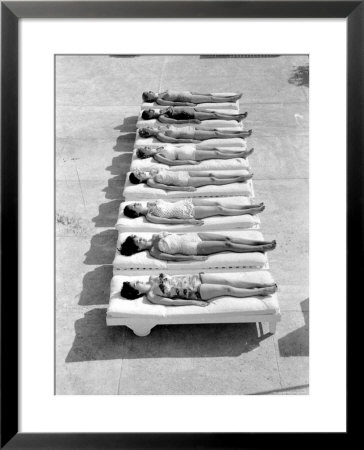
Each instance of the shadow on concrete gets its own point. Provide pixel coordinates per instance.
(96, 286)
(108, 212)
(300, 76)
(296, 343)
(125, 142)
(102, 248)
(120, 164)
(96, 341)
(129, 124)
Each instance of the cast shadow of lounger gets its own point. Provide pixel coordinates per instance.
(296, 343)
(94, 340)
(108, 212)
(128, 125)
(96, 286)
(102, 248)
(125, 142)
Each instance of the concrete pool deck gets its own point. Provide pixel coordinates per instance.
(98, 99)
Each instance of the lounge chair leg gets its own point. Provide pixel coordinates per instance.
(141, 329)
(272, 327)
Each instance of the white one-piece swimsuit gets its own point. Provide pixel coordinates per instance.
(182, 209)
(185, 244)
(185, 152)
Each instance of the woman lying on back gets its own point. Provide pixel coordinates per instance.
(191, 246)
(188, 211)
(186, 114)
(192, 289)
(186, 98)
(182, 180)
(188, 154)
(189, 134)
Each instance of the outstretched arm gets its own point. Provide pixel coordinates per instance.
(162, 102)
(155, 219)
(163, 138)
(177, 257)
(166, 187)
(212, 237)
(165, 119)
(158, 300)
(174, 162)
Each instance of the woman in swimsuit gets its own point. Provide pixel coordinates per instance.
(186, 114)
(182, 180)
(189, 211)
(187, 154)
(189, 134)
(189, 289)
(186, 98)
(191, 246)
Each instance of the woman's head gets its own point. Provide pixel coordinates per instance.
(133, 289)
(148, 114)
(134, 210)
(138, 176)
(145, 152)
(133, 244)
(147, 132)
(149, 96)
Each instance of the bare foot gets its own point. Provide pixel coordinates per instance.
(271, 246)
(260, 208)
(271, 289)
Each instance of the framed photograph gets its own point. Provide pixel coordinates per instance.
(179, 180)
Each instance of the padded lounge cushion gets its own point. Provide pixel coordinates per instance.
(222, 306)
(210, 223)
(143, 260)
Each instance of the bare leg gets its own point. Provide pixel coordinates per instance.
(201, 212)
(213, 237)
(207, 115)
(207, 202)
(210, 291)
(226, 280)
(208, 98)
(202, 155)
(211, 247)
(206, 181)
(233, 134)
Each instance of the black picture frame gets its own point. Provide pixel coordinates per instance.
(11, 12)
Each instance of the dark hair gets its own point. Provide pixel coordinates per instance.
(146, 96)
(133, 179)
(129, 247)
(148, 114)
(130, 212)
(144, 132)
(140, 153)
(129, 292)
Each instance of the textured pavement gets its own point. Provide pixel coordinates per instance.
(98, 98)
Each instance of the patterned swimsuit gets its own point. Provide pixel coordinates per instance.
(180, 113)
(180, 286)
(181, 209)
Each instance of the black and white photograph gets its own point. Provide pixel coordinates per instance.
(182, 225)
